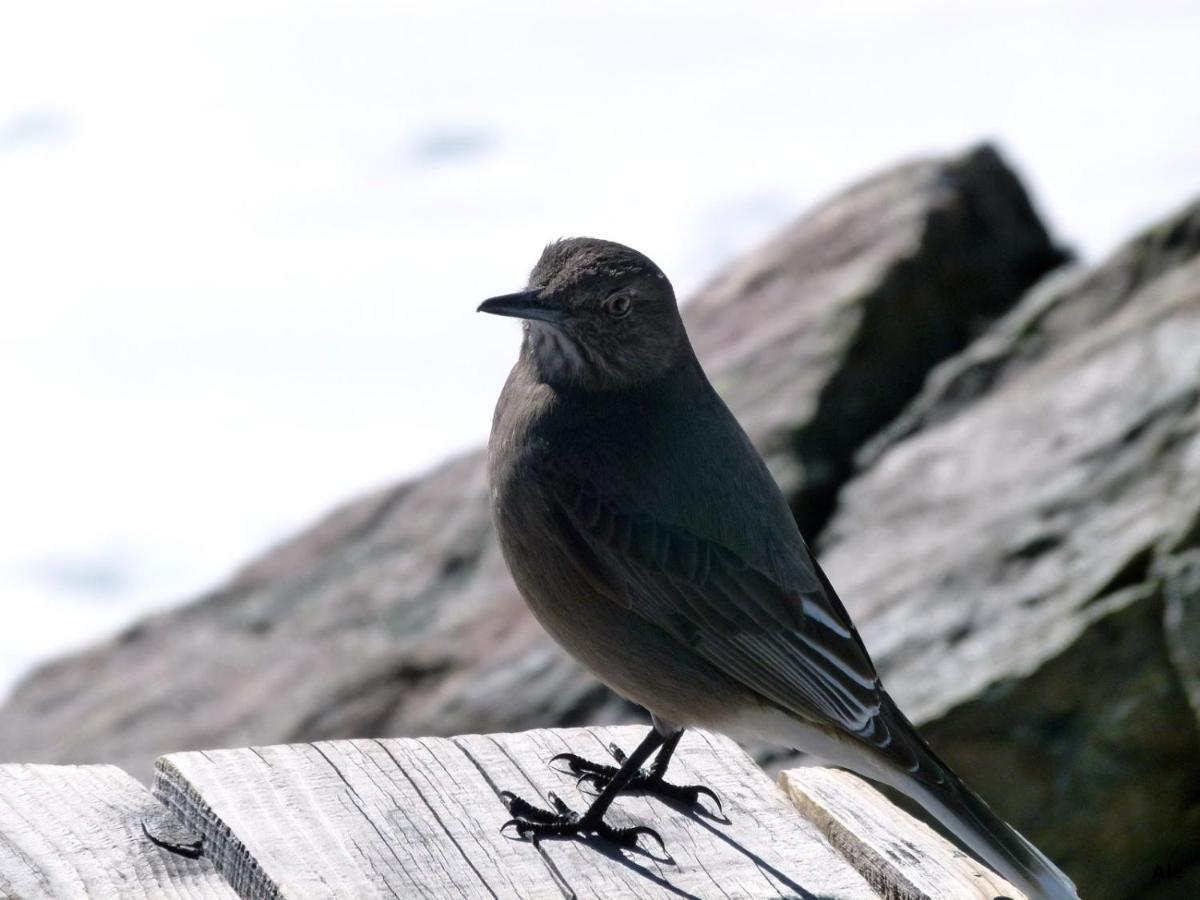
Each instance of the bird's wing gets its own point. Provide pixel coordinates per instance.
(795, 648)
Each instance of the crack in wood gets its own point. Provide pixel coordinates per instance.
(437, 817)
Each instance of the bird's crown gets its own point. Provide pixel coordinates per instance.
(572, 263)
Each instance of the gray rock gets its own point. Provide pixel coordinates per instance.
(1012, 547)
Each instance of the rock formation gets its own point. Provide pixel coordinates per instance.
(1014, 542)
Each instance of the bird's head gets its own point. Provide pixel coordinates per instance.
(598, 315)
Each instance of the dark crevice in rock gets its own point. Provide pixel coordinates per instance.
(1188, 536)
(1133, 572)
(1158, 421)
(1034, 547)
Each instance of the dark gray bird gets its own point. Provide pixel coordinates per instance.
(647, 536)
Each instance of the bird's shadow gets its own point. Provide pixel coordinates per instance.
(626, 858)
(706, 822)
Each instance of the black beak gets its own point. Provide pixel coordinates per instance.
(523, 305)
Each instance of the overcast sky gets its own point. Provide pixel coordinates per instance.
(242, 242)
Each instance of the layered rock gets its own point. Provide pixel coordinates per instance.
(1014, 542)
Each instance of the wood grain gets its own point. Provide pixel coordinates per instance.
(76, 832)
(421, 817)
(900, 856)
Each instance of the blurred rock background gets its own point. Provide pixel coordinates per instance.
(996, 451)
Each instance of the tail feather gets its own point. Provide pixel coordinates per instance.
(932, 783)
(995, 841)
(895, 754)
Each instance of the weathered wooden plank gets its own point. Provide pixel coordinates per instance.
(76, 831)
(900, 856)
(421, 817)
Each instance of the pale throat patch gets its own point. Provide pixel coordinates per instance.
(557, 355)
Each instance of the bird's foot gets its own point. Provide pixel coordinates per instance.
(534, 823)
(649, 781)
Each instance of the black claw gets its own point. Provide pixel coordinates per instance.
(533, 823)
(596, 776)
(577, 765)
(523, 810)
(629, 836)
(699, 789)
(572, 762)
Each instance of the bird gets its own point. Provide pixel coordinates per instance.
(647, 536)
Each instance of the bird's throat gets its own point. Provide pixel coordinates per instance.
(557, 359)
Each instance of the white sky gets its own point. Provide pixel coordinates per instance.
(242, 241)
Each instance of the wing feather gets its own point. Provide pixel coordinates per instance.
(796, 649)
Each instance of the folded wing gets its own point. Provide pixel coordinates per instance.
(795, 647)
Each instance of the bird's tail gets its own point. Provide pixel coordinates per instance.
(932, 783)
(901, 759)
(996, 842)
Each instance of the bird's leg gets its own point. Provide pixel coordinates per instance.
(650, 781)
(535, 823)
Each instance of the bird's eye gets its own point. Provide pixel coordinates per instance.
(618, 305)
